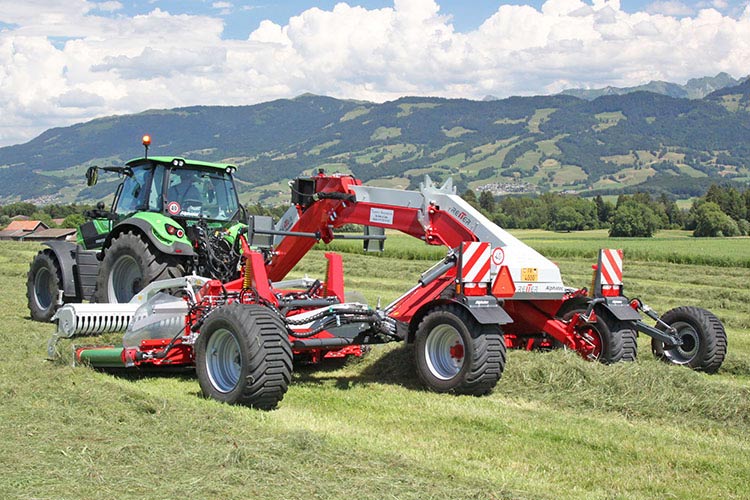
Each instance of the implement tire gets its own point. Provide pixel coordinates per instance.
(455, 353)
(129, 264)
(704, 339)
(43, 285)
(243, 356)
(629, 341)
(613, 341)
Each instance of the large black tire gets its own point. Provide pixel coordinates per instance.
(614, 340)
(629, 336)
(243, 356)
(455, 353)
(129, 264)
(704, 339)
(43, 285)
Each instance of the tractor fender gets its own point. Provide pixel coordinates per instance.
(484, 314)
(65, 253)
(145, 228)
(619, 307)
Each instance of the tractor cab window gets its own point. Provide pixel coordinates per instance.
(207, 193)
(135, 189)
(156, 196)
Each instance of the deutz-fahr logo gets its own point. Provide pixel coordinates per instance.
(461, 215)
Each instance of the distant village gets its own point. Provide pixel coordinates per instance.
(501, 188)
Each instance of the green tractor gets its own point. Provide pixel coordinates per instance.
(169, 217)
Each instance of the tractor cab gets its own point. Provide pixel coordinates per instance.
(182, 189)
(188, 192)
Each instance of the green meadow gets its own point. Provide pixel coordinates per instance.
(556, 426)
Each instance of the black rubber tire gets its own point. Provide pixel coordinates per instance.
(609, 335)
(629, 341)
(130, 249)
(705, 339)
(43, 285)
(261, 373)
(482, 357)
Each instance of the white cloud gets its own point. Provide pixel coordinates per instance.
(713, 4)
(154, 63)
(225, 8)
(670, 8)
(109, 6)
(102, 64)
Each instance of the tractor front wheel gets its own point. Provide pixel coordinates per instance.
(704, 341)
(455, 353)
(243, 356)
(129, 264)
(43, 285)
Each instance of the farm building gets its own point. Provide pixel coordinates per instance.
(18, 229)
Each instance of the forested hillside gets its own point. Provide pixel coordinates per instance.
(610, 145)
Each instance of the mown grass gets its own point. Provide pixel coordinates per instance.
(555, 427)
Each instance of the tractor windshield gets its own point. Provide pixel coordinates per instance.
(134, 194)
(207, 193)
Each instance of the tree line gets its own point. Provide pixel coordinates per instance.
(723, 211)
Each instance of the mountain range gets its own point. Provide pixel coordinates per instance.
(695, 88)
(611, 144)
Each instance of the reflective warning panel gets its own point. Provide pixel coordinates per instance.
(475, 262)
(610, 266)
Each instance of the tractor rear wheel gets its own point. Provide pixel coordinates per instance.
(704, 341)
(455, 353)
(129, 264)
(243, 356)
(43, 285)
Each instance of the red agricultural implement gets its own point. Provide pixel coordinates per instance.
(491, 291)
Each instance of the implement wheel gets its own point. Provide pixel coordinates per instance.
(129, 264)
(243, 356)
(455, 353)
(43, 285)
(704, 341)
(612, 341)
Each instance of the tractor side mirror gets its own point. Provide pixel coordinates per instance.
(92, 175)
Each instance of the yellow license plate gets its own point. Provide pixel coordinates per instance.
(529, 274)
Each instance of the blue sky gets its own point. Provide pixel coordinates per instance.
(72, 61)
(243, 16)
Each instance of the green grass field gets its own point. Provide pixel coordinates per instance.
(555, 426)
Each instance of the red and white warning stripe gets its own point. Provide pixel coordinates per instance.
(611, 267)
(475, 262)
